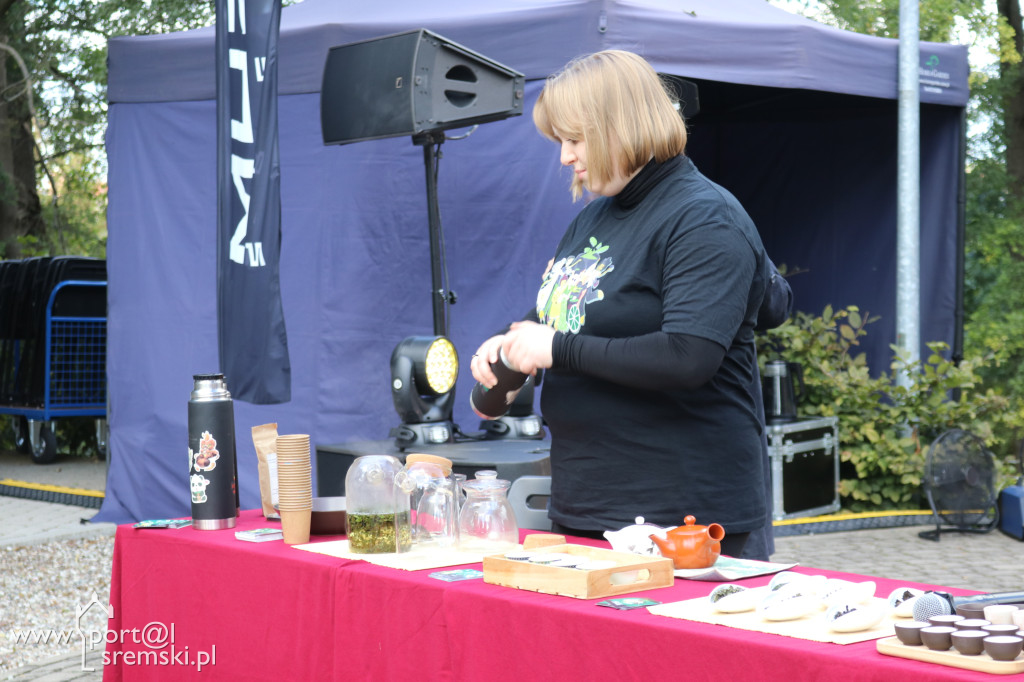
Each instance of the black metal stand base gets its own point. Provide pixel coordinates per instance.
(939, 529)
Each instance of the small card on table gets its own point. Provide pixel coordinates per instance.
(628, 603)
(163, 523)
(260, 534)
(457, 574)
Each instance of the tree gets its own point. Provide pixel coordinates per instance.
(994, 270)
(20, 212)
(994, 250)
(53, 114)
(1012, 76)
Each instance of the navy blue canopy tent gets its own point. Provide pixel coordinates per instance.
(797, 119)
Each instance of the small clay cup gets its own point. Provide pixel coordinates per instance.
(971, 610)
(971, 624)
(969, 642)
(910, 633)
(1000, 629)
(945, 619)
(1003, 647)
(938, 637)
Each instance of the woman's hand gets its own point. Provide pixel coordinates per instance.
(482, 359)
(527, 346)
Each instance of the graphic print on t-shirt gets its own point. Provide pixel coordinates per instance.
(569, 285)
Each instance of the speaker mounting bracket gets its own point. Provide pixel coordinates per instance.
(440, 299)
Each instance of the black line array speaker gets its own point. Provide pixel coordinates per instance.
(411, 83)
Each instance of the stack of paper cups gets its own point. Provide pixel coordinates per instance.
(294, 487)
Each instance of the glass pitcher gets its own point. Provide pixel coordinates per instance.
(377, 520)
(433, 501)
(487, 523)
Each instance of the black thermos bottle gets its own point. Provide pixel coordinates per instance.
(211, 453)
(491, 403)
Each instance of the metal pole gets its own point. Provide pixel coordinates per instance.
(908, 187)
(438, 295)
(961, 237)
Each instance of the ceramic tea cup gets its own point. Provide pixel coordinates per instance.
(1003, 647)
(971, 624)
(1000, 614)
(969, 642)
(937, 637)
(944, 619)
(910, 633)
(971, 610)
(1000, 629)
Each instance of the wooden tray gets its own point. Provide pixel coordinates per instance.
(892, 646)
(632, 573)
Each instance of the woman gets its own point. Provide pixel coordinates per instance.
(644, 320)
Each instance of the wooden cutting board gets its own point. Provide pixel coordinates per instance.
(891, 646)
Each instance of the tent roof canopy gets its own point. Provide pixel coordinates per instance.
(740, 41)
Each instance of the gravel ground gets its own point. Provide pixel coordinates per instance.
(42, 587)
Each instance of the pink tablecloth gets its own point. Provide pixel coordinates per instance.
(266, 611)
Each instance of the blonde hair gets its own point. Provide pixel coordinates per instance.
(616, 103)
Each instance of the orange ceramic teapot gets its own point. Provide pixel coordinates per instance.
(690, 546)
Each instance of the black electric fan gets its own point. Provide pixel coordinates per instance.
(960, 482)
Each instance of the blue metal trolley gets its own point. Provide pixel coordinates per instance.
(74, 374)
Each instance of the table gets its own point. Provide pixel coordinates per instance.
(267, 611)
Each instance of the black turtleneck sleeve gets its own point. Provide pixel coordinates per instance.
(656, 361)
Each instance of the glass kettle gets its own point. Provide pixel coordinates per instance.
(377, 519)
(433, 503)
(487, 523)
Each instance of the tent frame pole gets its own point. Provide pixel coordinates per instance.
(908, 188)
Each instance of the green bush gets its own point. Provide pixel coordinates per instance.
(6, 434)
(76, 436)
(885, 425)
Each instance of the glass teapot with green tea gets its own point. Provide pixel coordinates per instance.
(378, 510)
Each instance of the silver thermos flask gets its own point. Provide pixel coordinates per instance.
(213, 471)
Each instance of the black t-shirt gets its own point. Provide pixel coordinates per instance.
(685, 260)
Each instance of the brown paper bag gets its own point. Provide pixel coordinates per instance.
(264, 437)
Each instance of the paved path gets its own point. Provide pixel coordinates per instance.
(67, 470)
(31, 522)
(989, 562)
(28, 522)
